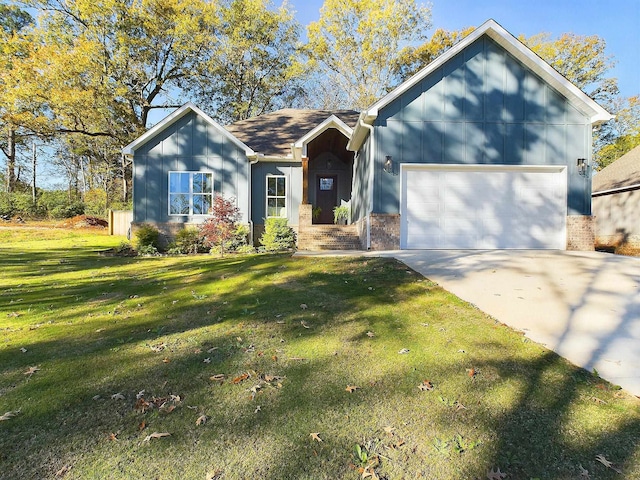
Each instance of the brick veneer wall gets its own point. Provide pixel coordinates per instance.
(385, 231)
(580, 232)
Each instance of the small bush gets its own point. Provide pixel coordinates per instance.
(188, 241)
(239, 239)
(277, 235)
(246, 249)
(147, 251)
(147, 236)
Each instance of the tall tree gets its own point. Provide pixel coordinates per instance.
(412, 59)
(13, 22)
(355, 43)
(255, 68)
(582, 59)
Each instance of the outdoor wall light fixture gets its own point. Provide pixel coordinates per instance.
(388, 165)
(582, 167)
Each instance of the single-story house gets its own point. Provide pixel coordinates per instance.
(481, 149)
(616, 202)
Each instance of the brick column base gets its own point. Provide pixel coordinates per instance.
(385, 231)
(581, 232)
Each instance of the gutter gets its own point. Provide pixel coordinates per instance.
(616, 190)
(251, 163)
(362, 124)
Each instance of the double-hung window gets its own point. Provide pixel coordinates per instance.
(190, 193)
(276, 196)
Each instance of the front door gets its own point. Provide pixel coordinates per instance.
(326, 197)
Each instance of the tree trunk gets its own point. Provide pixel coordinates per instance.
(11, 161)
(33, 182)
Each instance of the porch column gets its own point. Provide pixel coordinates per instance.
(305, 180)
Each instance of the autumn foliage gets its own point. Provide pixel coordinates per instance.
(220, 229)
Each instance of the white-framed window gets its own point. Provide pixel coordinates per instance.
(190, 193)
(276, 196)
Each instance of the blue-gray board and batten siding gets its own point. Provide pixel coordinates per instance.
(482, 107)
(293, 173)
(190, 144)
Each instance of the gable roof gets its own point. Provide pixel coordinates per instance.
(173, 118)
(272, 134)
(623, 174)
(517, 49)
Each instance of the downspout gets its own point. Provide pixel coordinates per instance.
(370, 128)
(251, 164)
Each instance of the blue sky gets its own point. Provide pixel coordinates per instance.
(617, 21)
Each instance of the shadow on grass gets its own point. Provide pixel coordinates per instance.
(218, 308)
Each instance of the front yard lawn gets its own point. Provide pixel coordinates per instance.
(272, 367)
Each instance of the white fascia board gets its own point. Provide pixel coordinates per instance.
(173, 118)
(502, 37)
(259, 157)
(331, 122)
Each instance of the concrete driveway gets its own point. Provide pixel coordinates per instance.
(583, 305)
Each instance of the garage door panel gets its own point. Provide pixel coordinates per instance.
(483, 207)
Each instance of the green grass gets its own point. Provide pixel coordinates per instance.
(97, 326)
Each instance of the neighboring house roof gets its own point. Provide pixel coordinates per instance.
(272, 134)
(173, 118)
(623, 174)
(513, 46)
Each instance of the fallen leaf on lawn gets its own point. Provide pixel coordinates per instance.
(426, 385)
(112, 437)
(471, 372)
(142, 425)
(598, 400)
(240, 378)
(13, 314)
(159, 347)
(166, 360)
(31, 371)
(212, 349)
(95, 397)
(601, 458)
(497, 475)
(214, 475)
(274, 358)
(304, 324)
(315, 436)
(117, 396)
(207, 360)
(9, 415)
(218, 377)
(370, 334)
(167, 408)
(584, 473)
(202, 419)
(63, 471)
(23, 350)
(403, 351)
(258, 409)
(351, 388)
(303, 306)
(140, 394)
(156, 435)
(389, 430)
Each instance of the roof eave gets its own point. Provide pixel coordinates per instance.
(172, 118)
(506, 40)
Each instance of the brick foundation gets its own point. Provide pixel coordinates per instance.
(385, 231)
(580, 232)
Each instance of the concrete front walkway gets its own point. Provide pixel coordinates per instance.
(583, 305)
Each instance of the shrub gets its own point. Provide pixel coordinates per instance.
(147, 250)
(239, 239)
(220, 229)
(277, 235)
(6, 205)
(58, 204)
(95, 201)
(147, 236)
(187, 241)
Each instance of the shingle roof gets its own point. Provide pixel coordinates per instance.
(273, 133)
(624, 172)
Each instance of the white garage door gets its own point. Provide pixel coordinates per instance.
(483, 207)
